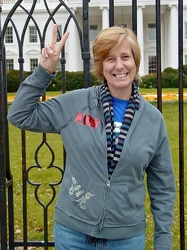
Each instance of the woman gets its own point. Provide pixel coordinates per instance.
(112, 137)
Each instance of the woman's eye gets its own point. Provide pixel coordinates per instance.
(110, 59)
(125, 57)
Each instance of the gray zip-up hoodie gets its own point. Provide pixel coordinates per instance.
(88, 202)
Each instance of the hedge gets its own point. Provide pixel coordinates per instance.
(74, 80)
(13, 79)
(169, 79)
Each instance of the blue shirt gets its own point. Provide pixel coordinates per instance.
(119, 107)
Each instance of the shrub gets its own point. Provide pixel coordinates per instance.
(13, 79)
(185, 70)
(170, 70)
(148, 81)
(74, 80)
(55, 85)
(169, 79)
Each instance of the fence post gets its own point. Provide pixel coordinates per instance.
(3, 213)
(181, 126)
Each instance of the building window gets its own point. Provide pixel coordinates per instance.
(9, 35)
(185, 30)
(151, 31)
(33, 34)
(123, 25)
(93, 32)
(33, 64)
(152, 64)
(9, 64)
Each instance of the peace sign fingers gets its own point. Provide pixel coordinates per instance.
(54, 38)
(51, 53)
(54, 35)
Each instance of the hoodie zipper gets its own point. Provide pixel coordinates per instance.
(100, 225)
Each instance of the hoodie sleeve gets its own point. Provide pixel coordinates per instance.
(162, 190)
(26, 111)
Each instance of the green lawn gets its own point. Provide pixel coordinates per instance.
(45, 176)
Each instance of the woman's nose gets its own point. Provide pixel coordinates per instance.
(119, 63)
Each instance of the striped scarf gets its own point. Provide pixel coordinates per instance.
(114, 150)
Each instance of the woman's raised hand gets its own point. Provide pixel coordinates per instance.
(51, 52)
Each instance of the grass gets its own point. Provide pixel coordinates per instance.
(170, 113)
(150, 91)
(45, 176)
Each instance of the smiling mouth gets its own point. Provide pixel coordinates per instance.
(120, 75)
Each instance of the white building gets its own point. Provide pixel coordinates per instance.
(98, 19)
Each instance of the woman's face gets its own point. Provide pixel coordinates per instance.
(119, 70)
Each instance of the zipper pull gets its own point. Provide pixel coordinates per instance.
(108, 184)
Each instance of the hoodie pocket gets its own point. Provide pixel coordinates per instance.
(81, 199)
(121, 210)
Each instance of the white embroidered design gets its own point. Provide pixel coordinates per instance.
(82, 201)
(75, 191)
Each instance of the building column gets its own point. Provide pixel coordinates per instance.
(140, 37)
(163, 52)
(173, 37)
(75, 62)
(105, 17)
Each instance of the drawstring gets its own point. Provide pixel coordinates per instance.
(98, 243)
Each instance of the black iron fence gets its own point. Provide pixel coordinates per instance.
(7, 196)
